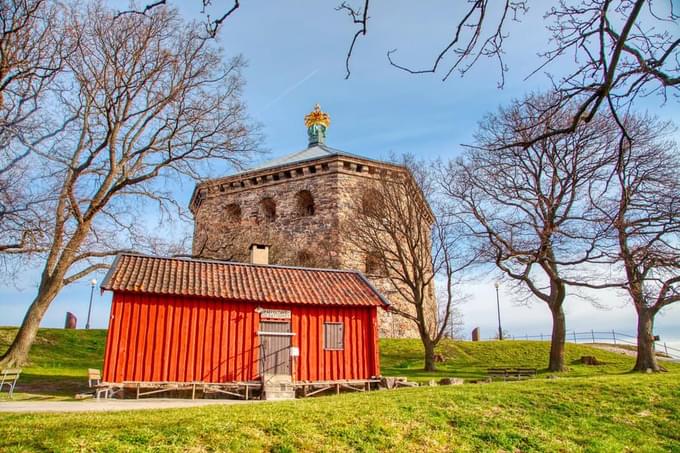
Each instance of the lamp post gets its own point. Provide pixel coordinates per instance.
(89, 309)
(498, 306)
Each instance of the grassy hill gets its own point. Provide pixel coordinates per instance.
(60, 358)
(601, 408)
(58, 361)
(469, 359)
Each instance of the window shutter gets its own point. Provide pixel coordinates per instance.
(333, 336)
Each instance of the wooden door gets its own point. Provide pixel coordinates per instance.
(275, 349)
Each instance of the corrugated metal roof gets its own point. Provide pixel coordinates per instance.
(238, 281)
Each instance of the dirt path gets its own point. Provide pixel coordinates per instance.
(612, 348)
(110, 405)
(626, 351)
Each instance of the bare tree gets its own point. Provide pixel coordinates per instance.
(31, 55)
(641, 208)
(621, 50)
(454, 330)
(479, 31)
(528, 206)
(151, 102)
(614, 51)
(212, 24)
(408, 246)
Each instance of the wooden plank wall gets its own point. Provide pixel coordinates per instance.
(180, 339)
(355, 361)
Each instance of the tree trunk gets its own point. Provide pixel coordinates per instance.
(429, 355)
(557, 341)
(646, 357)
(17, 354)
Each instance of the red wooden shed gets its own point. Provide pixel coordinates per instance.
(188, 320)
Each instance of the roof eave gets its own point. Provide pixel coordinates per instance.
(248, 173)
(248, 300)
(386, 303)
(109, 274)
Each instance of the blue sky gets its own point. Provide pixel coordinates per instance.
(296, 53)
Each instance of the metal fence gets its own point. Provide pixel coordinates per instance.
(593, 336)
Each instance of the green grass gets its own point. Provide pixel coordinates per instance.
(589, 408)
(610, 414)
(58, 362)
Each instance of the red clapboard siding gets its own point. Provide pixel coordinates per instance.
(179, 338)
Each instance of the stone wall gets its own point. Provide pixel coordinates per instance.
(296, 236)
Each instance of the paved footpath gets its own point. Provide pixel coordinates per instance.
(110, 405)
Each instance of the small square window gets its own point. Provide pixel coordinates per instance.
(333, 334)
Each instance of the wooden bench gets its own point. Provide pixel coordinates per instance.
(511, 373)
(10, 377)
(94, 380)
(108, 389)
(94, 377)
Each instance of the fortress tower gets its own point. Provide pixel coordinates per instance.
(298, 205)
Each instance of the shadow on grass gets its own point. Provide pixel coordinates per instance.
(42, 387)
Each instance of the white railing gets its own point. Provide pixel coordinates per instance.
(594, 336)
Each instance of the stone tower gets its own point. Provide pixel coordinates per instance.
(296, 204)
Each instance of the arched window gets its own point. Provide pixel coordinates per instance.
(268, 209)
(233, 213)
(374, 264)
(305, 203)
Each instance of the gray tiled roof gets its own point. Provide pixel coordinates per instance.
(308, 154)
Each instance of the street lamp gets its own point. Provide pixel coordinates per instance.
(89, 309)
(498, 306)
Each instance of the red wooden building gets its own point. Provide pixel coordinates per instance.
(185, 320)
